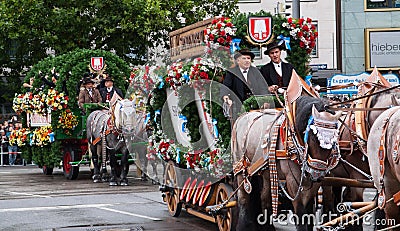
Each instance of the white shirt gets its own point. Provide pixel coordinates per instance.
(109, 89)
(278, 68)
(90, 92)
(244, 73)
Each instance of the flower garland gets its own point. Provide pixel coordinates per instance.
(220, 32)
(42, 136)
(302, 30)
(67, 121)
(55, 100)
(41, 103)
(22, 103)
(19, 137)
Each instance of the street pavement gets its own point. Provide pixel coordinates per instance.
(30, 200)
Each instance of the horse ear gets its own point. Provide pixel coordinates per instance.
(315, 112)
(338, 114)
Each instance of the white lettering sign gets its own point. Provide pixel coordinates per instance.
(338, 80)
(384, 49)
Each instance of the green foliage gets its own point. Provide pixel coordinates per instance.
(256, 102)
(297, 56)
(29, 29)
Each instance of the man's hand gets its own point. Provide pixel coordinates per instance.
(273, 88)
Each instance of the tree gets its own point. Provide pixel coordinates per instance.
(31, 30)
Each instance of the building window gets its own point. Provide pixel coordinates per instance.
(257, 52)
(381, 5)
(314, 52)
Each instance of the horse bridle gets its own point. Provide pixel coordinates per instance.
(327, 135)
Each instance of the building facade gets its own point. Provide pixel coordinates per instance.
(370, 35)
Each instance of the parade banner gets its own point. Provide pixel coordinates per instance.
(339, 79)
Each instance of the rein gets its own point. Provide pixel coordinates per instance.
(364, 96)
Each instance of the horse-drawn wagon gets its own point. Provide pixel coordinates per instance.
(55, 128)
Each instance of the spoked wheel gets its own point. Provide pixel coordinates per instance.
(47, 170)
(226, 219)
(172, 194)
(70, 172)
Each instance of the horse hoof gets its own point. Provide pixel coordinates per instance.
(113, 183)
(96, 179)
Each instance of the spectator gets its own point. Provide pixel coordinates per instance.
(12, 149)
(108, 91)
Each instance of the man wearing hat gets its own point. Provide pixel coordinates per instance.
(242, 81)
(276, 73)
(89, 94)
(108, 91)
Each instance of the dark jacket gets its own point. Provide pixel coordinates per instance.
(235, 81)
(103, 93)
(270, 75)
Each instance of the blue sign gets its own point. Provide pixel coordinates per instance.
(339, 79)
(323, 66)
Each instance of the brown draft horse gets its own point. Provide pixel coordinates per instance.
(354, 151)
(313, 124)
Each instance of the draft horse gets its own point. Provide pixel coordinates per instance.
(266, 158)
(106, 131)
(383, 153)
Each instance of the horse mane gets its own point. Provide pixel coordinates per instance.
(304, 109)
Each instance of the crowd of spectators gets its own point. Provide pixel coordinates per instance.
(13, 156)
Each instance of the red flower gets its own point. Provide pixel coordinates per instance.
(316, 34)
(305, 27)
(222, 33)
(309, 20)
(290, 20)
(300, 34)
(229, 24)
(221, 40)
(228, 39)
(219, 25)
(301, 21)
(211, 37)
(214, 21)
(302, 44)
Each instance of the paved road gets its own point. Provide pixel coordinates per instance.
(30, 200)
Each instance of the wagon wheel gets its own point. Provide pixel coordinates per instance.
(172, 194)
(226, 219)
(70, 172)
(47, 170)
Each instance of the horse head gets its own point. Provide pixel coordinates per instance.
(124, 114)
(319, 129)
(385, 99)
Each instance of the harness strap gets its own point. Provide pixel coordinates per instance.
(381, 158)
(395, 154)
(95, 141)
(273, 172)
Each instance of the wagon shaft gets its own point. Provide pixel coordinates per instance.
(339, 182)
(396, 198)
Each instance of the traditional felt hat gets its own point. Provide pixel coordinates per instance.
(244, 52)
(108, 78)
(274, 45)
(87, 80)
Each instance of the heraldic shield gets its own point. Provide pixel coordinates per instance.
(260, 28)
(97, 63)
